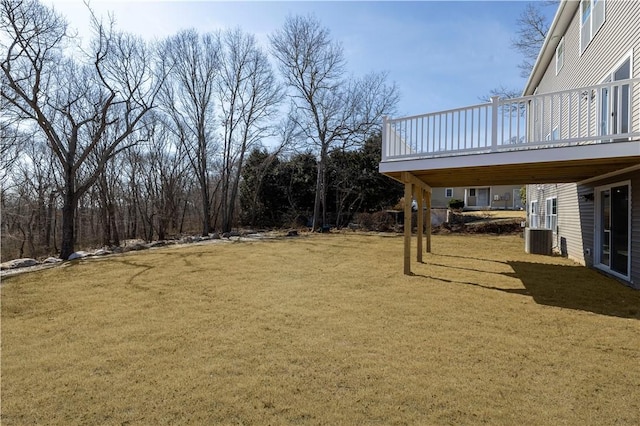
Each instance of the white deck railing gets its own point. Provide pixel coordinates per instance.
(590, 115)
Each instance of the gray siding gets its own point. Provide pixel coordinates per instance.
(576, 216)
(634, 178)
(570, 238)
(619, 35)
(438, 199)
(506, 193)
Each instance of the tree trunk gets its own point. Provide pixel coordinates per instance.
(115, 236)
(68, 215)
(320, 199)
(49, 221)
(316, 202)
(104, 210)
(206, 211)
(234, 187)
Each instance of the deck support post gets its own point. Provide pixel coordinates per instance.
(408, 192)
(419, 196)
(428, 231)
(414, 187)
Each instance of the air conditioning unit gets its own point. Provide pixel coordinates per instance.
(538, 241)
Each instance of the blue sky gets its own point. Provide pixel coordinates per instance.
(441, 54)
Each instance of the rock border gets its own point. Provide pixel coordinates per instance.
(24, 265)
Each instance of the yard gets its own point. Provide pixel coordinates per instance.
(321, 329)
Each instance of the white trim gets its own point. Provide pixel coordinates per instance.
(623, 59)
(592, 31)
(559, 56)
(608, 175)
(561, 22)
(609, 77)
(555, 154)
(597, 240)
(448, 191)
(547, 215)
(533, 213)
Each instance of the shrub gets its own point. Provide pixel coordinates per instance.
(378, 221)
(383, 221)
(455, 204)
(365, 221)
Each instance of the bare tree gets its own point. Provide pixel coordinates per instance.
(533, 26)
(33, 192)
(74, 99)
(189, 98)
(12, 139)
(248, 97)
(332, 111)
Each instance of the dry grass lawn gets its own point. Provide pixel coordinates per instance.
(322, 329)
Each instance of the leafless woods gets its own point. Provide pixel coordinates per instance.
(123, 138)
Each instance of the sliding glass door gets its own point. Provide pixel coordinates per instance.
(613, 228)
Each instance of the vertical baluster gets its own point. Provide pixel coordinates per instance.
(517, 124)
(459, 115)
(419, 125)
(569, 107)
(428, 139)
(507, 128)
(446, 132)
(619, 116)
(413, 144)
(439, 132)
(434, 140)
(589, 113)
(551, 104)
(453, 136)
(579, 126)
(542, 118)
(391, 145)
(486, 125)
(560, 123)
(452, 131)
(466, 128)
(472, 128)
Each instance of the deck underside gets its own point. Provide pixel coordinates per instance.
(520, 174)
(557, 165)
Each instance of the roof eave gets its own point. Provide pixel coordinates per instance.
(559, 26)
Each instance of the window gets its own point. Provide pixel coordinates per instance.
(472, 192)
(533, 215)
(615, 101)
(448, 192)
(593, 14)
(551, 214)
(560, 56)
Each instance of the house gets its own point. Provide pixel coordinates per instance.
(574, 136)
(495, 197)
(592, 220)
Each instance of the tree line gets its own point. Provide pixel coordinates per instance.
(123, 138)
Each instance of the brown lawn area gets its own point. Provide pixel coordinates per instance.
(321, 329)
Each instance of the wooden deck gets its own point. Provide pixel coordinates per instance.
(548, 138)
